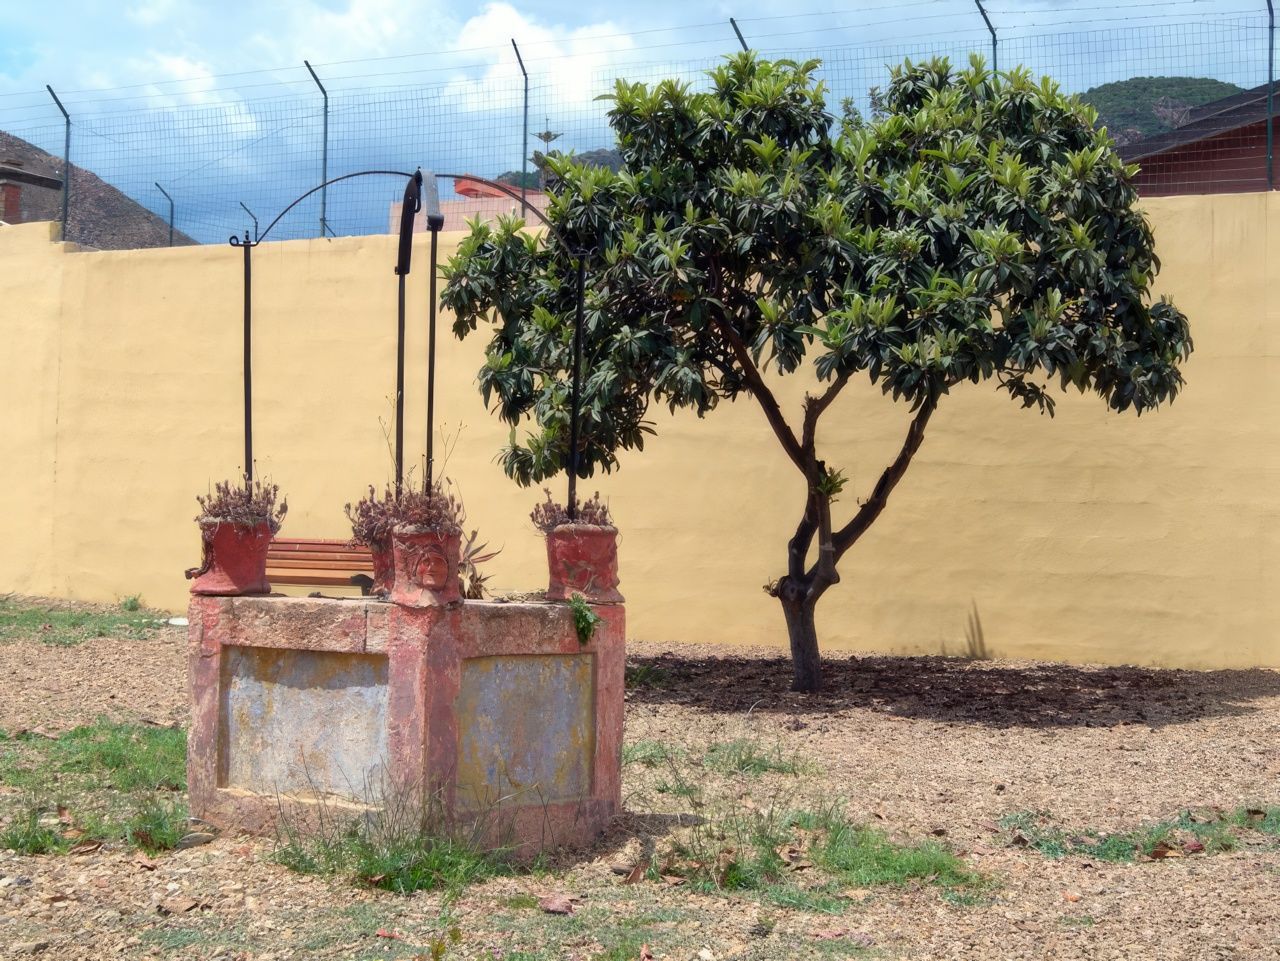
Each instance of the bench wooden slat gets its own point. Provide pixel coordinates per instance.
(298, 557)
(306, 546)
(322, 562)
(279, 577)
(293, 565)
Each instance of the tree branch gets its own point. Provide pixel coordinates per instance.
(764, 397)
(848, 535)
(814, 408)
(798, 546)
(824, 572)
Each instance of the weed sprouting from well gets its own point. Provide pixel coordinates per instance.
(404, 842)
(402, 863)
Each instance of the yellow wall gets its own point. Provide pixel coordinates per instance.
(1089, 537)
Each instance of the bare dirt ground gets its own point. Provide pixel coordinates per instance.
(920, 747)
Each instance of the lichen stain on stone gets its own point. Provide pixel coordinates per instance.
(526, 728)
(304, 721)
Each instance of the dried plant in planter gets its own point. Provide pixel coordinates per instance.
(247, 505)
(549, 515)
(237, 524)
(372, 517)
(432, 510)
(582, 552)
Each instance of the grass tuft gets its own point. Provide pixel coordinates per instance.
(125, 756)
(29, 835)
(407, 845)
(66, 627)
(108, 782)
(645, 676)
(748, 757)
(1215, 833)
(803, 859)
(646, 753)
(866, 857)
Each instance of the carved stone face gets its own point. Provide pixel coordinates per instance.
(432, 567)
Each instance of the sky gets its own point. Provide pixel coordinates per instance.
(213, 101)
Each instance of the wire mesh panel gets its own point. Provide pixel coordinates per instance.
(1184, 96)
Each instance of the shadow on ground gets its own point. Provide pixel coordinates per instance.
(952, 689)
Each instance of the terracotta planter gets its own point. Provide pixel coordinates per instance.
(235, 559)
(384, 568)
(426, 567)
(583, 559)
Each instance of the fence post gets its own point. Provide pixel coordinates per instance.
(66, 159)
(734, 23)
(255, 221)
(170, 199)
(524, 138)
(995, 62)
(324, 153)
(1271, 85)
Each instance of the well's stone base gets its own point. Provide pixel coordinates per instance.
(484, 710)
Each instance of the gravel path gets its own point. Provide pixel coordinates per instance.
(918, 746)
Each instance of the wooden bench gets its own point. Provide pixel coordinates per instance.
(299, 560)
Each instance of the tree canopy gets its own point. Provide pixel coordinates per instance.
(978, 229)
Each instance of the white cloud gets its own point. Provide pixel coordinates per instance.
(149, 13)
(564, 60)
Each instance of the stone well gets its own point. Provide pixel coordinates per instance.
(493, 709)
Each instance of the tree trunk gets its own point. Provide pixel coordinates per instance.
(803, 633)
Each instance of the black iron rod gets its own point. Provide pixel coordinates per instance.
(248, 320)
(400, 389)
(248, 362)
(574, 392)
(361, 173)
(734, 23)
(431, 364)
(571, 461)
(66, 160)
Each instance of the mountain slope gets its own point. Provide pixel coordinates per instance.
(101, 216)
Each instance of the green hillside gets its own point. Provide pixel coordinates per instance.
(1143, 106)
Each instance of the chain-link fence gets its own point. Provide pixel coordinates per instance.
(1186, 97)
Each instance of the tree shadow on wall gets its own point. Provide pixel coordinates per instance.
(952, 689)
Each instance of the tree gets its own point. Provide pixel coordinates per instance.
(980, 231)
